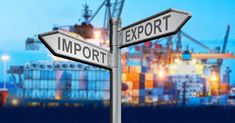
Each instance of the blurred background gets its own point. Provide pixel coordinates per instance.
(194, 67)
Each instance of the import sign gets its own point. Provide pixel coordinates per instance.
(65, 45)
(160, 25)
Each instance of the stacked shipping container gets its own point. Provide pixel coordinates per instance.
(143, 83)
(64, 80)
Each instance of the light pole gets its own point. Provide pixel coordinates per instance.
(5, 58)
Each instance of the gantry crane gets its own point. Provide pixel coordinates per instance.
(172, 54)
(212, 54)
(18, 70)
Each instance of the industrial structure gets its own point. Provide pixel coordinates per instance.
(173, 72)
(155, 72)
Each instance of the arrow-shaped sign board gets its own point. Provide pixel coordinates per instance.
(160, 25)
(65, 45)
(68, 46)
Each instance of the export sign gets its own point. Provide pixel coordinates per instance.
(65, 45)
(160, 25)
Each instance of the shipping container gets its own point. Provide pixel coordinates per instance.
(65, 80)
(100, 85)
(106, 85)
(149, 84)
(142, 85)
(99, 95)
(75, 94)
(136, 85)
(135, 77)
(129, 84)
(83, 94)
(83, 85)
(106, 95)
(142, 92)
(148, 76)
(125, 69)
(157, 91)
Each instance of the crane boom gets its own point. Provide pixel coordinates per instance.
(195, 41)
(194, 55)
(220, 61)
(98, 10)
(226, 39)
(206, 56)
(117, 8)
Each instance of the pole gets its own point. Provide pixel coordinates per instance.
(4, 75)
(184, 94)
(116, 72)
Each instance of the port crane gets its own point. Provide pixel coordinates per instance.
(220, 61)
(171, 54)
(212, 54)
(112, 10)
(18, 70)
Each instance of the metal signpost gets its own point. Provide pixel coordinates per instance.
(65, 45)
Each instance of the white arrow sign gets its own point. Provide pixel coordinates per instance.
(160, 25)
(65, 45)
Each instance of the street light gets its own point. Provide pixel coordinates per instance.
(5, 58)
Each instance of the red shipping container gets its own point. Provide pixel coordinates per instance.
(136, 85)
(125, 69)
(148, 44)
(158, 46)
(3, 97)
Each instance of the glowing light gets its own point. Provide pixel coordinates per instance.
(97, 34)
(177, 60)
(213, 77)
(15, 102)
(194, 61)
(173, 67)
(58, 95)
(5, 57)
(161, 74)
